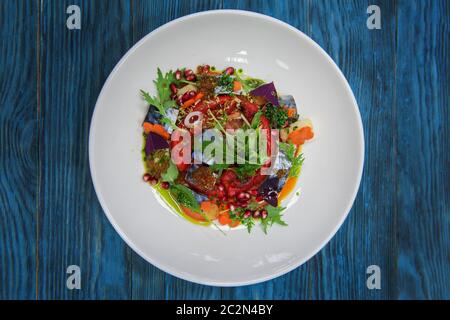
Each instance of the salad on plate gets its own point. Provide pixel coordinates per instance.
(222, 148)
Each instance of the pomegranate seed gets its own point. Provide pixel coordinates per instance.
(188, 72)
(185, 97)
(178, 75)
(192, 94)
(247, 214)
(147, 177)
(229, 70)
(191, 77)
(221, 187)
(259, 198)
(206, 68)
(263, 213)
(241, 196)
(243, 204)
(165, 185)
(232, 207)
(173, 88)
(256, 214)
(153, 181)
(253, 192)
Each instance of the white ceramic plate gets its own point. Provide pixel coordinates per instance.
(265, 48)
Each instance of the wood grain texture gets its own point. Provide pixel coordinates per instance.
(50, 218)
(72, 226)
(296, 284)
(423, 183)
(18, 149)
(367, 59)
(149, 282)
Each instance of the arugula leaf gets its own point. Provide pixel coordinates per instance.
(288, 149)
(248, 222)
(296, 161)
(273, 216)
(162, 101)
(256, 119)
(162, 84)
(248, 84)
(296, 165)
(171, 174)
(185, 196)
(265, 225)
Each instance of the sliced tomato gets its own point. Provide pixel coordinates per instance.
(224, 98)
(249, 109)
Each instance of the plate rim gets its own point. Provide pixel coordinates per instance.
(167, 268)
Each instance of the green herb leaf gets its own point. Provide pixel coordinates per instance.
(296, 165)
(256, 121)
(162, 83)
(246, 170)
(249, 223)
(274, 215)
(276, 115)
(296, 161)
(171, 174)
(288, 149)
(163, 101)
(184, 196)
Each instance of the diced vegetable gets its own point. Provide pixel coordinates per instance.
(237, 86)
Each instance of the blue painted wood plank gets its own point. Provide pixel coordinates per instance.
(18, 149)
(72, 226)
(148, 282)
(367, 59)
(297, 283)
(422, 132)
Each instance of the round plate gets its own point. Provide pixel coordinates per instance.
(265, 48)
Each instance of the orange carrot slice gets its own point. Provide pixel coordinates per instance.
(224, 218)
(147, 127)
(210, 209)
(237, 86)
(299, 136)
(192, 214)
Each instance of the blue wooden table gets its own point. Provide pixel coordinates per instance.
(50, 218)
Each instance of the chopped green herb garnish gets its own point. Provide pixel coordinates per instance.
(276, 115)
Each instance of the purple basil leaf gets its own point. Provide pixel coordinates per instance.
(267, 91)
(269, 190)
(155, 142)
